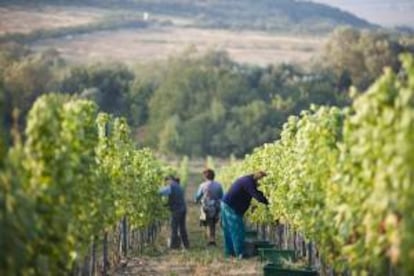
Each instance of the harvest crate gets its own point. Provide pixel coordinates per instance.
(276, 270)
(251, 246)
(250, 234)
(276, 256)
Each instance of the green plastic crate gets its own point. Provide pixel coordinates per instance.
(277, 270)
(251, 246)
(276, 256)
(263, 244)
(250, 234)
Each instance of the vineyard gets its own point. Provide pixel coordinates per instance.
(69, 184)
(343, 179)
(76, 186)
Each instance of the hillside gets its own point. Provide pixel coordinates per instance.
(281, 16)
(387, 13)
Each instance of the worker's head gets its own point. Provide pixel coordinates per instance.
(259, 175)
(169, 179)
(209, 174)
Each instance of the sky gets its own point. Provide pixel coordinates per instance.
(387, 13)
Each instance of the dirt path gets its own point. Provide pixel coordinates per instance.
(199, 260)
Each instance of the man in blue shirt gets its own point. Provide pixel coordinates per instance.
(209, 194)
(233, 206)
(178, 208)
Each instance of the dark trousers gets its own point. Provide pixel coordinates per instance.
(178, 230)
(211, 229)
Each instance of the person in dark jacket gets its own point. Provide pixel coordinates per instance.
(178, 208)
(233, 206)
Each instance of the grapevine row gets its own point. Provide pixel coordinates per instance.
(345, 177)
(77, 174)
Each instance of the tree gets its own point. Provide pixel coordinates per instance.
(27, 78)
(111, 81)
(169, 139)
(360, 56)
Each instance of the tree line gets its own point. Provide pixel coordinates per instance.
(200, 104)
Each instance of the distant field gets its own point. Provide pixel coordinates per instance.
(143, 45)
(146, 44)
(15, 19)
